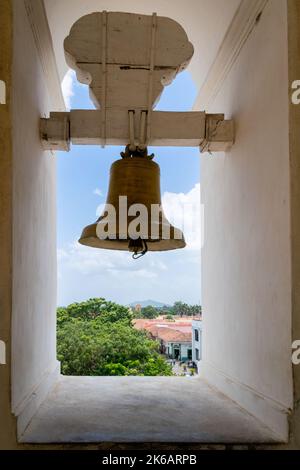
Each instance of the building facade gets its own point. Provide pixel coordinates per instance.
(196, 341)
(175, 337)
(180, 351)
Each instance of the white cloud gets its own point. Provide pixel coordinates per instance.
(166, 276)
(184, 210)
(67, 87)
(87, 261)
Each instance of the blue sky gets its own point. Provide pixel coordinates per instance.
(82, 182)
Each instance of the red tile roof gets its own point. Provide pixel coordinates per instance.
(169, 332)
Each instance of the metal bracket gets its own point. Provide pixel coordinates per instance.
(151, 72)
(103, 81)
(55, 132)
(139, 144)
(219, 134)
(132, 145)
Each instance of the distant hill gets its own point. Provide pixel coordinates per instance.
(146, 303)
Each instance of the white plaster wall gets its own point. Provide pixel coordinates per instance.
(34, 221)
(184, 349)
(246, 255)
(196, 325)
(205, 22)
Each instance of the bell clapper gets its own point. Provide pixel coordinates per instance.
(138, 247)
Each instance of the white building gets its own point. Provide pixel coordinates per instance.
(175, 338)
(196, 341)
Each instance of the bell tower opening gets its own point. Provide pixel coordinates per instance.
(96, 274)
(246, 269)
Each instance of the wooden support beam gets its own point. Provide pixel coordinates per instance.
(210, 132)
(140, 55)
(127, 59)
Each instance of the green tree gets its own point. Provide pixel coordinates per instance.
(94, 308)
(170, 317)
(149, 312)
(105, 343)
(180, 308)
(195, 310)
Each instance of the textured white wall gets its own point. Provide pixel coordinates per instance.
(34, 220)
(246, 255)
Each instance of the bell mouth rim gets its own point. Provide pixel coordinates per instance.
(122, 244)
(165, 241)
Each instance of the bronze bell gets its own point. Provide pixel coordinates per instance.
(137, 177)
